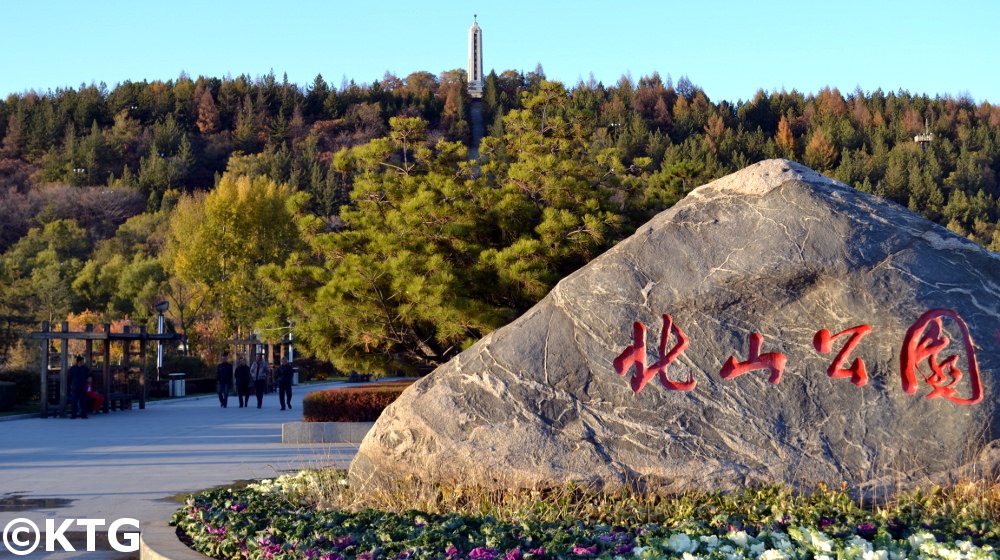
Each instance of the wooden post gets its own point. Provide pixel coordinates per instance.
(45, 371)
(143, 346)
(64, 371)
(126, 357)
(107, 367)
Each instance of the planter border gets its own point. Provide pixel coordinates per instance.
(324, 432)
(158, 541)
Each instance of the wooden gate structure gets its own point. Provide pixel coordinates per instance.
(120, 383)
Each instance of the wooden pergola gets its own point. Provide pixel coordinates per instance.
(250, 347)
(128, 378)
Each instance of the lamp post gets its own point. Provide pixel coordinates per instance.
(160, 308)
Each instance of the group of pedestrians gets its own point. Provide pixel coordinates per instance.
(255, 375)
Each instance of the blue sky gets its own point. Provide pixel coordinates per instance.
(731, 49)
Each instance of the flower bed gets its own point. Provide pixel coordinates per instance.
(296, 516)
(352, 404)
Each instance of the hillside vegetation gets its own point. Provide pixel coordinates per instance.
(355, 216)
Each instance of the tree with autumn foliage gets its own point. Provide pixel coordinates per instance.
(219, 241)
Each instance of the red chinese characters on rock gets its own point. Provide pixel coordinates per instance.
(636, 355)
(924, 341)
(823, 343)
(773, 361)
(923, 344)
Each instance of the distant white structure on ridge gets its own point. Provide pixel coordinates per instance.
(475, 60)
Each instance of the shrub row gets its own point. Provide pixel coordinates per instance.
(6, 395)
(351, 404)
(26, 384)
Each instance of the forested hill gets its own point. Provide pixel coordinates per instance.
(108, 197)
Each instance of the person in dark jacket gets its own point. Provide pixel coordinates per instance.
(79, 377)
(259, 372)
(224, 376)
(243, 382)
(285, 376)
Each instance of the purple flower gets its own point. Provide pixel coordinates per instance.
(365, 556)
(866, 530)
(606, 537)
(483, 553)
(238, 507)
(331, 556)
(451, 551)
(624, 549)
(404, 555)
(540, 551)
(824, 522)
(270, 550)
(310, 553)
(514, 554)
(585, 550)
(340, 543)
(215, 530)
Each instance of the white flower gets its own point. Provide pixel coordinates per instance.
(824, 557)
(689, 556)
(681, 542)
(918, 539)
(859, 544)
(773, 554)
(637, 551)
(781, 541)
(875, 555)
(739, 538)
(711, 541)
(812, 538)
(757, 548)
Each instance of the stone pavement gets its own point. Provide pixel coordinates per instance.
(133, 463)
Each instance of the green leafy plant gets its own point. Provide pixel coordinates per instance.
(315, 515)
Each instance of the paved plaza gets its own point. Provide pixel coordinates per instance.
(130, 463)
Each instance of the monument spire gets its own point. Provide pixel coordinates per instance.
(475, 73)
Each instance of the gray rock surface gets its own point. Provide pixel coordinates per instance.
(775, 249)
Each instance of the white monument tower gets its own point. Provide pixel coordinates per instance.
(475, 60)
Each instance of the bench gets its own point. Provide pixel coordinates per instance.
(123, 401)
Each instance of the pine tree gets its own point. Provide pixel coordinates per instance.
(784, 138)
(820, 153)
(208, 114)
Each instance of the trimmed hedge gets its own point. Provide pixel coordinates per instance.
(26, 382)
(352, 404)
(7, 391)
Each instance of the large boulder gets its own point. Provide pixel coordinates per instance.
(821, 275)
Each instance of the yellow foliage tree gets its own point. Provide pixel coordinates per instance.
(785, 139)
(820, 152)
(221, 242)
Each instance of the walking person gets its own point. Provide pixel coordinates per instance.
(224, 376)
(243, 382)
(259, 372)
(79, 378)
(285, 375)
